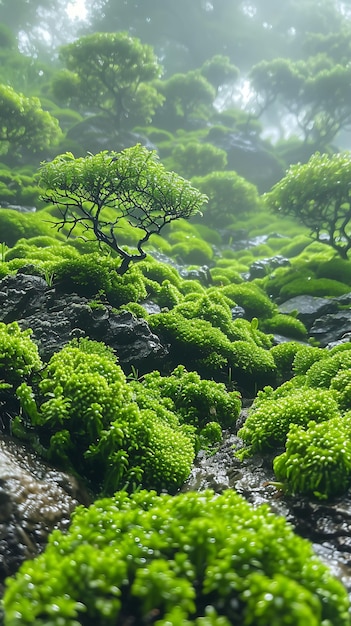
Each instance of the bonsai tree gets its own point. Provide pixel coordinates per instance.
(318, 194)
(98, 192)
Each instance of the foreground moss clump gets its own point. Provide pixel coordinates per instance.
(273, 412)
(19, 356)
(195, 558)
(317, 460)
(82, 415)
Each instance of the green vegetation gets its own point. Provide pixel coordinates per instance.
(271, 414)
(132, 183)
(317, 460)
(125, 91)
(195, 558)
(317, 194)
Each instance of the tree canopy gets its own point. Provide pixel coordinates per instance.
(24, 124)
(110, 73)
(98, 191)
(318, 194)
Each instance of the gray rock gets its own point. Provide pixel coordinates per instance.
(55, 319)
(262, 267)
(35, 498)
(308, 308)
(329, 329)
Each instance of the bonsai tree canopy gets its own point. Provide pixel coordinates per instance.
(318, 194)
(98, 192)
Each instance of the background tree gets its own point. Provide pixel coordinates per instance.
(194, 158)
(24, 125)
(99, 191)
(219, 70)
(110, 73)
(318, 194)
(315, 93)
(188, 97)
(229, 195)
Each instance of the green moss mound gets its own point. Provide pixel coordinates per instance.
(195, 558)
(317, 460)
(83, 417)
(318, 287)
(273, 412)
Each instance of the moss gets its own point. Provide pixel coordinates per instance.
(213, 307)
(318, 287)
(194, 559)
(269, 419)
(15, 225)
(193, 251)
(251, 366)
(253, 300)
(225, 275)
(295, 246)
(168, 296)
(284, 355)
(19, 357)
(286, 325)
(335, 268)
(196, 401)
(128, 288)
(83, 416)
(193, 342)
(321, 373)
(159, 272)
(282, 277)
(305, 357)
(317, 460)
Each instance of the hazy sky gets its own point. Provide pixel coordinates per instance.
(77, 9)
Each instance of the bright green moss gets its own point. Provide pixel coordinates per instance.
(253, 300)
(286, 325)
(321, 373)
(84, 417)
(318, 287)
(284, 355)
(142, 448)
(195, 400)
(270, 418)
(251, 366)
(15, 225)
(295, 246)
(192, 251)
(86, 275)
(19, 357)
(212, 307)
(127, 288)
(335, 268)
(341, 382)
(305, 357)
(159, 272)
(193, 342)
(169, 295)
(226, 275)
(317, 460)
(192, 559)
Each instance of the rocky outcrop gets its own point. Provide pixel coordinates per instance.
(309, 308)
(57, 318)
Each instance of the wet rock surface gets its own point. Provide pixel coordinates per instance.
(326, 525)
(56, 319)
(35, 498)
